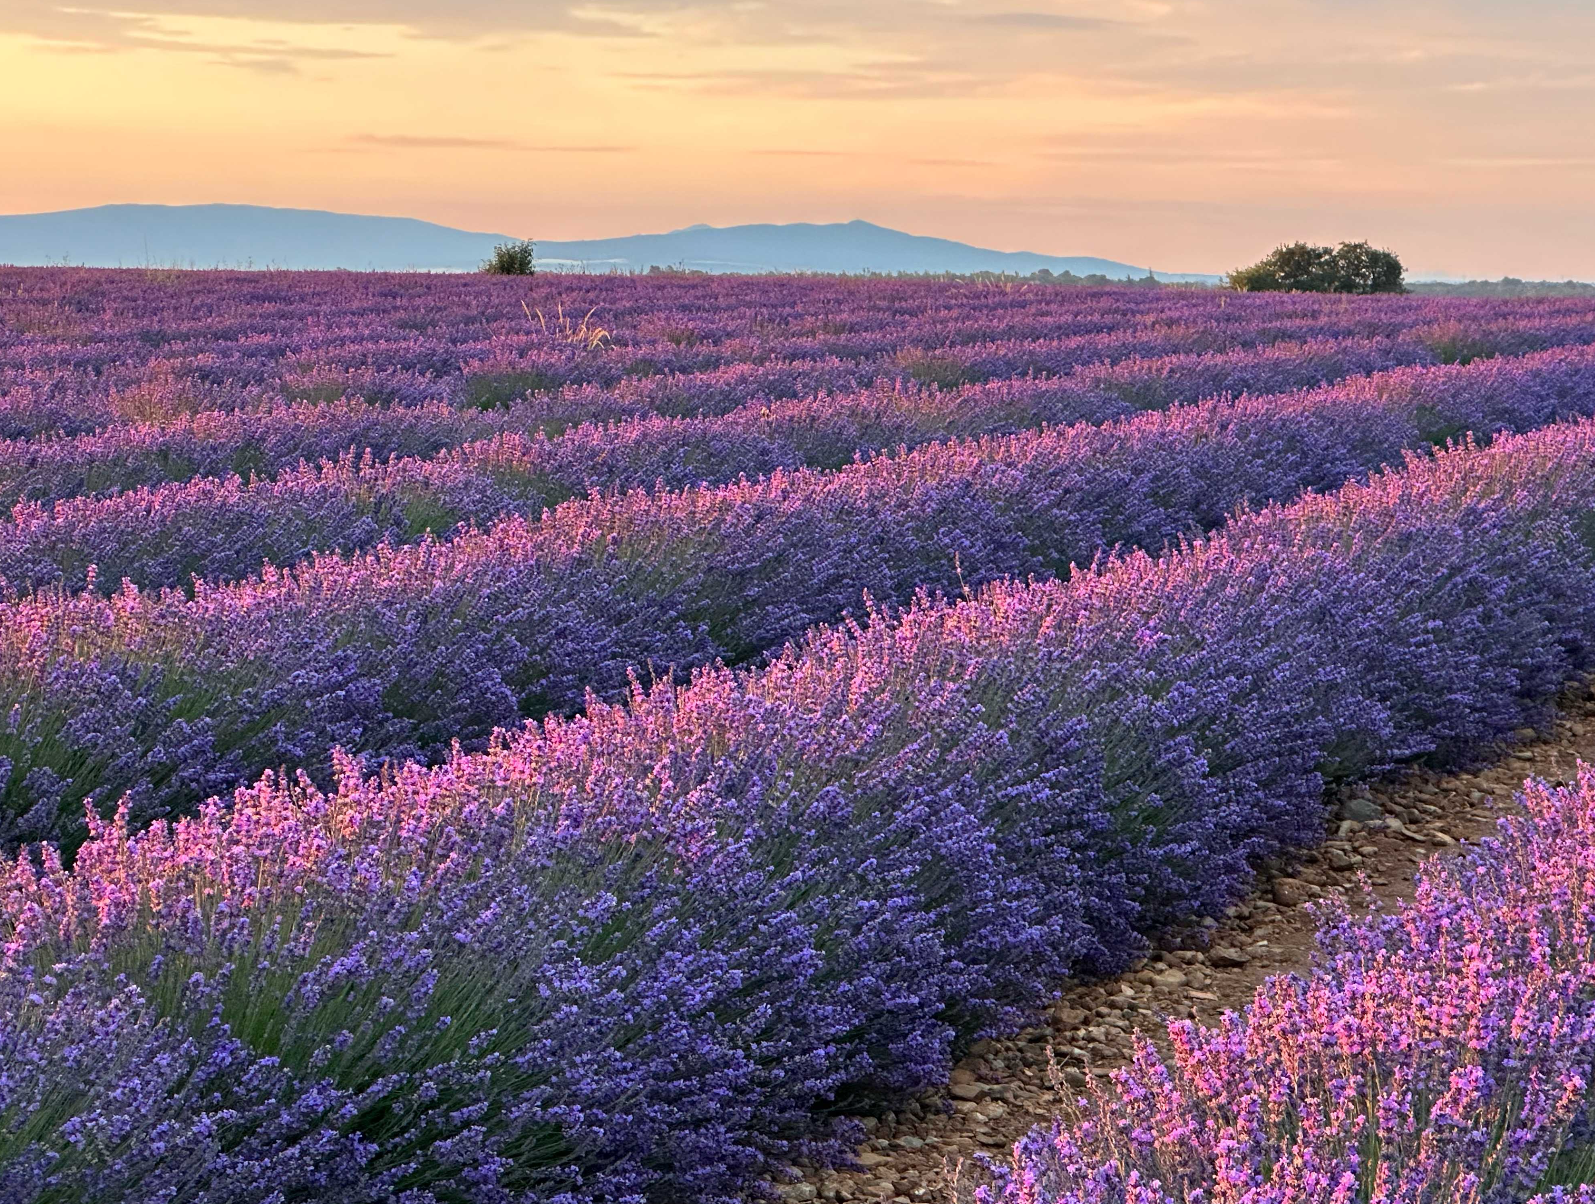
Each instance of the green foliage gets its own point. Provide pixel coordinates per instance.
(500, 390)
(1293, 268)
(1453, 342)
(424, 511)
(314, 392)
(1507, 286)
(510, 259)
(1573, 1167)
(932, 368)
(250, 460)
(1352, 267)
(1434, 428)
(1361, 269)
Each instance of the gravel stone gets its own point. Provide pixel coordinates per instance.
(1291, 892)
(1363, 810)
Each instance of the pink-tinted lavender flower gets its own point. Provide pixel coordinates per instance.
(222, 528)
(640, 951)
(400, 651)
(1441, 1052)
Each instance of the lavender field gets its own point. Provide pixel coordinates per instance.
(586, 739)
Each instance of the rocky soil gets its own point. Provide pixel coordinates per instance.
(1002, 1088)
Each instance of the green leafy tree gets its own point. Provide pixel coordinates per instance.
(1359, 268)
(1302, 268)
(1294, 268)
(510, 259)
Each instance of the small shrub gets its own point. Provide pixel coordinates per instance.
(154, 403)
(250, 460)
(1435, 428)
(510, 259)
(680, 336)
(425, 511)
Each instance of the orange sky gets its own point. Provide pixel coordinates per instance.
(1188, 135)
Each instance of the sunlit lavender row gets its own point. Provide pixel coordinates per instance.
(631, 954)
(571, 741)
(402, 652)
(1445, 1051)
(84, 350)
(225, 528)
(825, 429)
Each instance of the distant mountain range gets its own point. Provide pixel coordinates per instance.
(805, 247)
(258, 236)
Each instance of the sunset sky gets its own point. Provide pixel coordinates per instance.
(1188, 135)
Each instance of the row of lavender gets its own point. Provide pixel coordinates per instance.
(816, 426)
(630, 955)
(222, 527)
(268, 441)
(108, 374)
(80, 351)
(399, 653)
(308, 1091)
(1445, 1052)
(162, 393)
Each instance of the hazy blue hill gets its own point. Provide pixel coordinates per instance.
(236, 236)
(257, 236)
(806, 247)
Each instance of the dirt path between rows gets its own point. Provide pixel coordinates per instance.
(1002, 1088)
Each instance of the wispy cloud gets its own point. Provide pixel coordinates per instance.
(86, 30)
(417, 142)
(1514, 162)
(1136, 150)
(431, 142)
(805, 154)
(118, 25)
(1043, 21)
(1575, 81)
(887, 81)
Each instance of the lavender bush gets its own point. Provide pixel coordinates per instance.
(816, 422)
(223, 529)
(399, 653)
(81, 351)
(643, 948)
(1443, 1052)
(636, 954)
